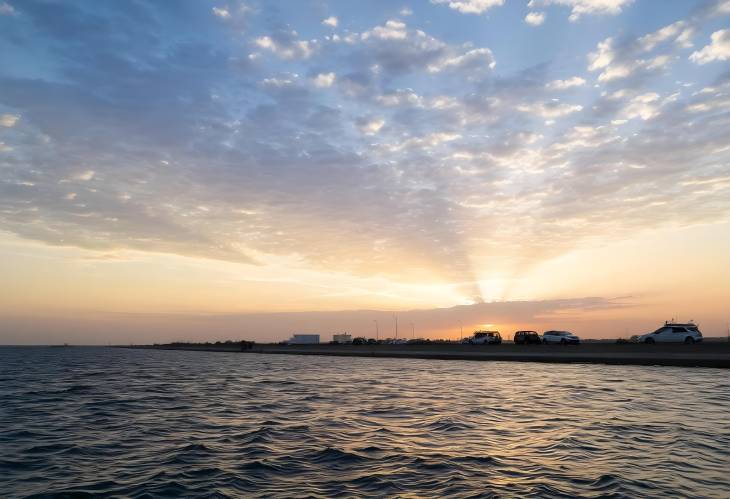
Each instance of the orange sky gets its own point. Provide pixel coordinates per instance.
(59, 294)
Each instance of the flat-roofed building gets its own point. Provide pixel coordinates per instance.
(342, 338)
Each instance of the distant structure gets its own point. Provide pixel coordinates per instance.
(342, 338)
(304, 339)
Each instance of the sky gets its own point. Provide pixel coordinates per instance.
(195, 170)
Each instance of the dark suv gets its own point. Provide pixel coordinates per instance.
(526, 337)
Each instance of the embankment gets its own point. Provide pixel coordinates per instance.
(706, 354)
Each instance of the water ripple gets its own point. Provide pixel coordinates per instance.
(84, 422)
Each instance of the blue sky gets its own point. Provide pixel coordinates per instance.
(458, 142)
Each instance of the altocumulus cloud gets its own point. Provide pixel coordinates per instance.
(355, 146)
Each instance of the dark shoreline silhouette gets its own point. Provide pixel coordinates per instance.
(706, 354)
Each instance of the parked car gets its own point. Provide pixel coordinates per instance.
(526, 337)
(486, 338)
(360, 341)
(562, 337)
(372, 341)
(672, 332)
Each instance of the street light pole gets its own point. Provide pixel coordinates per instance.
(413, 331)
(461, 331)
(377, 333)
(396, 325)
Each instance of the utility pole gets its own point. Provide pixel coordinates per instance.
(377, 333)
(413, 331)
(461, 331)
(395, 316)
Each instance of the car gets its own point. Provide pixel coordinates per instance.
(526, 337)
(485, 338)
(395, 341)
(561, 337)
(672, 332)
(360, 341)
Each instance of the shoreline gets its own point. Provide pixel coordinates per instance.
(706, 354)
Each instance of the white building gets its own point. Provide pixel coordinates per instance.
(304, 339)
(342, 338)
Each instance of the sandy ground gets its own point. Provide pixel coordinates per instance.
(706, 354)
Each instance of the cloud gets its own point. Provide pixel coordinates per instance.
(286, 46)
(409, 98)
(85, 176)
(470, 6)
(550, 110)
(221, 12)
(719, 7)
(642, 58)
(236, 15)
(680, 32)
(8, 120)
(6, 9)
(480, 59)
(324, 80)
(278, 82)
(643, 106)
(603, 56)
(575, 81)
(401, 97)
(330, 21)
(622, 62)
(717, 50)
(624, 70)
(535, 18)
(582, 7)
(370, 126)
(405, 12)
(420, 153)
(709, 99)
(585, 137)
(394, 49)
(429, 141)
(392, 30)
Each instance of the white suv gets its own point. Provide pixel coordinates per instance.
(486, 338)
(562, 337)
(672, 332)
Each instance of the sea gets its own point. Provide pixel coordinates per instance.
(101, 422)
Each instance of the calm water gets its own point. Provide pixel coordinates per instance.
(147, 423)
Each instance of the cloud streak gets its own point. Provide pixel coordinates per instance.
(442, 323)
